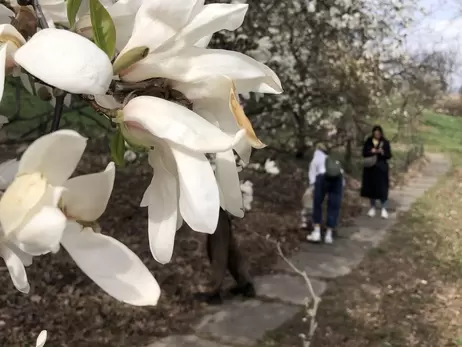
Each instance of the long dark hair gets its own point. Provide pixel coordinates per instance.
(379, 128)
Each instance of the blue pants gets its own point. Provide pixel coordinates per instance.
(333, 188)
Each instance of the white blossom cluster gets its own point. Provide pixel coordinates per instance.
(145, 66)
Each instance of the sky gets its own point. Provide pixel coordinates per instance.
(440, 28)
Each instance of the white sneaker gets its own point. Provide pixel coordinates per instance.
(384, 213)
(315, 236)
(371, 212)
(328, 238)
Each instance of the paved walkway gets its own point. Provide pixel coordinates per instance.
(281, 295)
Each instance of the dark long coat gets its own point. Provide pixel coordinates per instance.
(376, 179)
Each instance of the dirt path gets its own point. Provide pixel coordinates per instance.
(408, 291)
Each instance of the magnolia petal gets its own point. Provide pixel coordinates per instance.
(5, 14)
(55, 155)
(67, 100)
(243, 150)
(195, 64)
(158, 20)
(217, 111)
(23, 195)
(199, 197)
(16, 269)
(85, 197)
(228, 181)
(67, 61)
(177, 124)
(2, 70)
(217, 87)
(204, 42)
(26, 82)
(26, 258)
(42, 232)
(8, 170)
(111, 265)
(268, 84)
(212, 18)
(55, 11)
(108, 102)
(209, 97)
(41, 339)
(12, 38)
(179, 221)
(162, 210)
(242, 120)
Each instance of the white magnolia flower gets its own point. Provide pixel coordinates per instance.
(183, 185)
(43, 207)
(67, 61)
(29, 211)
(177, 53)
(41, 339)
(176, 49)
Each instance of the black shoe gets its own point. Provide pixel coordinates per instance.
(247, 290)
(209, 298)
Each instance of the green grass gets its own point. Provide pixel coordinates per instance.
(442, 133)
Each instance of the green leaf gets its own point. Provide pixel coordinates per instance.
(129, 58)
(72, 9)
(104, 32)
(118, 148)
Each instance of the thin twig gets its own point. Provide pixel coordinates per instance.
(311, 312)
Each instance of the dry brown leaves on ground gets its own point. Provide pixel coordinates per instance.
(77, 313)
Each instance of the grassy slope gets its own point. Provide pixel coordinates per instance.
(408, 291)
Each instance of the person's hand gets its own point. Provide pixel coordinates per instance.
(373, 150)
(381, 151)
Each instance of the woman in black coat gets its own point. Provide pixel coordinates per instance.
(376, 180)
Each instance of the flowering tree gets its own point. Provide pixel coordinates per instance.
(329, 56)
(145, 67)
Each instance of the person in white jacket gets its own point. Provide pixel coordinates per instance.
(325, 178)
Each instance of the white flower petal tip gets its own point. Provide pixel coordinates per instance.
(55, 156)
(111, 265)
(85, 197)
(41, 339)
(16, 269)
(67, 61)
(10, 35)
